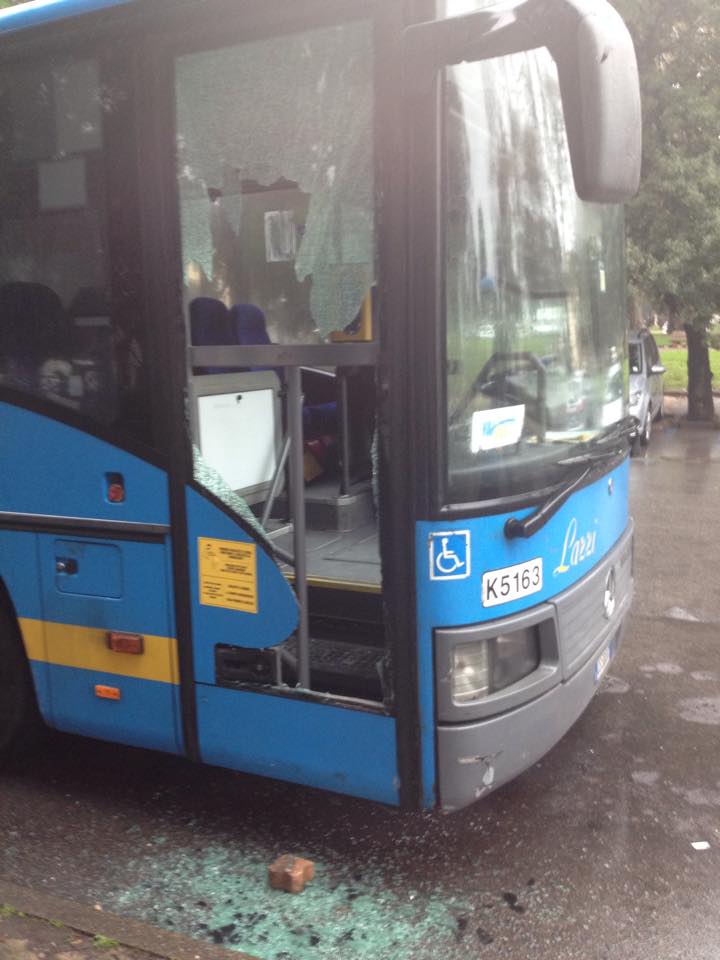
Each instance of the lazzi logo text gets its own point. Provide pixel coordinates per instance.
(576, 548)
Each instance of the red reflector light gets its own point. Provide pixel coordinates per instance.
(115, 487)
(116, 493)
(125, 642)
(107, 693)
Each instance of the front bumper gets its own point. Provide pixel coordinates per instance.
(475, 758)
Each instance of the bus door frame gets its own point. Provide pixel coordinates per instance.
(396, 370)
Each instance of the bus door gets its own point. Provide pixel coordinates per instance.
(276, 208)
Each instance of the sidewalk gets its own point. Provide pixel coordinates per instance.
(36, 926)
(676, 404)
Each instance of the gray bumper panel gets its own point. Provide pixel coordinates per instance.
(476, 758)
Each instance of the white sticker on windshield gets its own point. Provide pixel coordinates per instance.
(612, 412)
(496, 428)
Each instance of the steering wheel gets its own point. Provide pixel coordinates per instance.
(495, 373)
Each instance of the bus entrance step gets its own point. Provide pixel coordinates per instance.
(346, 669)
(336, 667)
(327, 509)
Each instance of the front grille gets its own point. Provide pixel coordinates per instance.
(581, 612)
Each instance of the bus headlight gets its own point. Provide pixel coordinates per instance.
(471, 672)
(486, 666)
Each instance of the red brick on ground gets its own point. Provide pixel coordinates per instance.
(290, 873)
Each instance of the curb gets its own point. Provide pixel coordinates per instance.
(130, 933)
(682, 394)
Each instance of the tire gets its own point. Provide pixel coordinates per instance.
(19, 717)
(660, 411)
(647, 429)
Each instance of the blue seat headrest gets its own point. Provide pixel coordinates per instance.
(248, 325)
(209, 323)
(32, 320)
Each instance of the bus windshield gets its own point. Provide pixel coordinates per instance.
(535, 314)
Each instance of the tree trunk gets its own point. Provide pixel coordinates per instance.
(700, 399)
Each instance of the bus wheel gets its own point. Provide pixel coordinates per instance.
(19, 717)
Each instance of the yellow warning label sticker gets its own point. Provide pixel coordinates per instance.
(228, 574)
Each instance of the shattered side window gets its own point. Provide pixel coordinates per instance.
(72, 326)
(275, 160)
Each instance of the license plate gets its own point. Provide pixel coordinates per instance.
(605, 659)
(602, 663)
(512, 583)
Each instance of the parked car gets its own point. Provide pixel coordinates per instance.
(646, 383)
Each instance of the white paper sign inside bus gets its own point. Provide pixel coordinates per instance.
(492, 429)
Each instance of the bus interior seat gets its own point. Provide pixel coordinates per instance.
(210, 327)
(248, 326)
(320, 412)
(32, 331)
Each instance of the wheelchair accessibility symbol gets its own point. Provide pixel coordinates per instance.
(450, 555)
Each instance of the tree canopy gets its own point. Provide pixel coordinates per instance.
(674, 222)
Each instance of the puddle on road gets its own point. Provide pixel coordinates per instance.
(679, 613)
(704, 675)
(613, 684)
(701, 710)
(699, 796)
(647, 778)
(671, 669)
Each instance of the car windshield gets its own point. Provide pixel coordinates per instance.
(635, 357)
(535, 293)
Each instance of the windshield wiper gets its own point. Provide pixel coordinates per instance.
(605, 446)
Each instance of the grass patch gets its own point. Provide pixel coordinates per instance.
(675, 363)
(105, 943)
(661, 339)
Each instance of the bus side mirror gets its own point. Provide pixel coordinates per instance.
(596, 64)
(601, 100)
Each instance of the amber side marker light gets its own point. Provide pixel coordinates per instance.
(125, 642)
(107, 693)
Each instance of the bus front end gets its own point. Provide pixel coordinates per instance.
(524, 550)
(524, 635)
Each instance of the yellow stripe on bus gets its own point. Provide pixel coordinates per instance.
(85, 648)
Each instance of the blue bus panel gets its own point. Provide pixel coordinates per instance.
(70, 590)
(52, 468)
(320, 745)
(218, 618)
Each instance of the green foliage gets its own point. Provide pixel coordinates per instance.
(675, 363)
(674, 222)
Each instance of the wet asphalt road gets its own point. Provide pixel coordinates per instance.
(588, 855)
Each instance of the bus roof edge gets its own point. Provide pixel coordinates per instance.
(24, 16)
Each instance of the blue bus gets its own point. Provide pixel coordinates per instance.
(313, 412)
